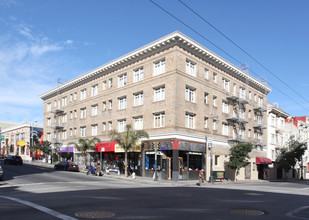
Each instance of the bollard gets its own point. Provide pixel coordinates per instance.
(133, 175)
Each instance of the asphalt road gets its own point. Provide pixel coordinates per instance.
(34, 192)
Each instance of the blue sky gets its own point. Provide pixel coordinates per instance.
(43, 40)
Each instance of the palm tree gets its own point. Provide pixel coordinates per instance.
(127, 140)
(84, 145)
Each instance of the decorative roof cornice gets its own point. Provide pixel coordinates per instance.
(164, 42)
(277, 111)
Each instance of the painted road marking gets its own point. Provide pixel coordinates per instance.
(41, 208)
(296, 212)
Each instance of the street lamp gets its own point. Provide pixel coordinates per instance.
(209, 145)
(32, 136)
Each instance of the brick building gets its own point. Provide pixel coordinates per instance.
(180, 93)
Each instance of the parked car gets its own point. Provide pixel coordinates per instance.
(17, 160)
(64, 165)
(1, 173)
(1, 156)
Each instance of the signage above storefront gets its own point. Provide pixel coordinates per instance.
(21, 143)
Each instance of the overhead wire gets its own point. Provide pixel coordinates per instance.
(273, 86)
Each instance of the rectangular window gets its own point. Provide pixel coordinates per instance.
(205, 122)
(122, 125)
(138, 74)
(49, 137)
(83, 94)
(159, 67)
(254, 97)
(83, 113)
(71, 132)
(225, 107)
(83, 131)
(64, 135)
(242, 93)
(94, 130)
(225, 84)
(241, 113)
(138, 123)
(190, 94)
(260, 101)
(94, 110)
(104, 126)
(159, 94)
(234, 89)
(104, 85)
(110, 125)
(110, 104)
(49, 122)
(190, 120)
(225, 129)
(71, 97)
(75, 131)
(94, 90)
(75, 113)
(249, 114)
(48, 107)
(214, 101)
(159, 120)
(64, 101)
(64, 118)
(206, 73)
(190, 68)
(71, 115)
(272, 140)
(122, 80)
(138, 99)
(75, 95)
(249, 133)
(259, 118)
(241, 133)
(122, 103)
(104, 106)
(250, 95)
(110, 83)
(214, 124)
(214, 77)
(206, 97)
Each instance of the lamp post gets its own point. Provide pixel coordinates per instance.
(31, 145)
(209, 145)
(156, 147)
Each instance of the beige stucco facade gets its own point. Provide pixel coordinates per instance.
(201, 92)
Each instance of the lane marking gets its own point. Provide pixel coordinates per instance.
(294, 212)
(41, 208)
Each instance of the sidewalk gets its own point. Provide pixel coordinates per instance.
(150, 181)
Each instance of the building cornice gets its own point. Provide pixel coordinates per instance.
(175, 38)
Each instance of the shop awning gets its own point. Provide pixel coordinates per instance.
(263, 160)
(66, 149)
(105, 147)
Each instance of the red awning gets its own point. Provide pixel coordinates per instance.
(263, 160)
(105, 147)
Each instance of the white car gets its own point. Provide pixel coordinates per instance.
(1, 173)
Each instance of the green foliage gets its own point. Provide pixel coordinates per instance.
(239, 155)
(44, 147)
(289, 156)
(127, 140)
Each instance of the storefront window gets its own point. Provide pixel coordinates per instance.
(150, 161)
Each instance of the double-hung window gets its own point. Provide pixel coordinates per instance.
(225, 129)
(122, 102)
(83, 94)
(214, 77)
(122, 80)
(190, 119)
(83, 113)
(190, 68)
(225, 107)
(64, 101)
(214, 101)
(159, 67)
(94, 130)
(190, 94)
(225, 84)
(159, 93)
(159, 120)
(83, 131)
(206, 73)
(49, 107)
(94, 110)
(138, 123)
(260, 101)
(138, 99)
(138, 74)
(104, 85)
(242, 93)
(122, 125)
(94, 90)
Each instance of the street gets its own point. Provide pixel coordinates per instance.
(36, 192)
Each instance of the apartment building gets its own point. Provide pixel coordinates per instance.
(179, 92)
(19, 137)
(278, 136)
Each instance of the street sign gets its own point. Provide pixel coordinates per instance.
(209, 142)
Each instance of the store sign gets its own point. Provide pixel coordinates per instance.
(137, 148)
(21, 143)
(2, 137)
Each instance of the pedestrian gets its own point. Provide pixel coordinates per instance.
(201, 177)
(98, 166)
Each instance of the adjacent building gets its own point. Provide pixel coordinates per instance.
(177, 90)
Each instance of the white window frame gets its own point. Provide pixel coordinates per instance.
(225, 107)
(94, 130)
(159, 93)
(110, 104)
(205, 122)
(138, 123)
(122, 103)
(138, 74)
(110, 83)
(190, 120)
(138, 99)
(215, 77)
(225, 129)
(83, 131)
(190, 94)
(48, 107)
(159, 120)
(214, 101)
(83, 113)
(104, 126)
(159, 67)
(83, 94)
(122, 80)
(191, 68)
(206, 73)
(110, 125)
(94, 90)
(104, 85)
(121, 125)
(64, 101)
(94, 110)
(225, 84)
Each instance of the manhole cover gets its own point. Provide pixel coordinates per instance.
(250, 212)
(95, 214)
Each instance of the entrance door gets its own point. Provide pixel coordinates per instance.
(169, 168)
(248, 172)
(180, 167)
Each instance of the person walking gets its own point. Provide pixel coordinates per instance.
(201, 177)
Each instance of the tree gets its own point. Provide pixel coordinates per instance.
(84, 145)
(289, 156)
(45, 147)
(127, 140)
(239, 155)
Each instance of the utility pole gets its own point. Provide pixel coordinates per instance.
(210, 147)
(156, 147)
